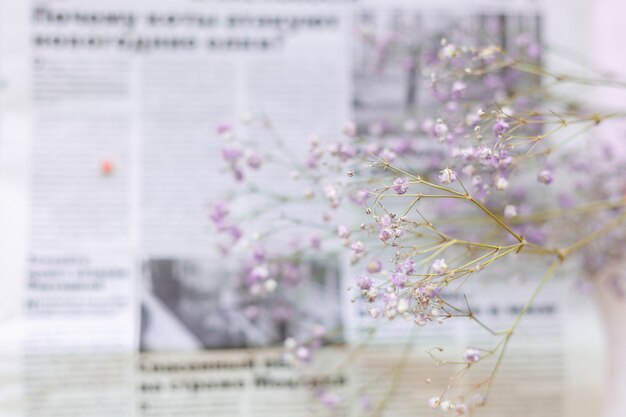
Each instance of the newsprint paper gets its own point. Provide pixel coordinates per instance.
(112, 299)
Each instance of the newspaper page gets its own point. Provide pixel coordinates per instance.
(113, 300)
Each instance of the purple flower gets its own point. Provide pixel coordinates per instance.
(534, 50)
(359, 197)
(237, 173)
(545, 177)
(358, 247)
(400, 185)
(458, 90)
(500, 127)
(471, 355)
(316, 242)
(349, 129)
(565, 201)
(257, 274)
(387, 155)
(311, 161)
(346, 152)
(385, 234)
(258, 255)
(401, 146)
(398, 279)
(223, 128)
(467, 154)
(255, 161)
(329, 399)
(407, 266)
(303, 354)
(447, 176)
(484, 154)
(231, 154)
(503, 159)
(219, 212)
(235, 232)
(343, 232)
(523, 39)
(364, 282)
(428, 126)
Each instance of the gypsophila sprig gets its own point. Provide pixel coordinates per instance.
(471, 187)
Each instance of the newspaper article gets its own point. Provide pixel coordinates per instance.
(113, 301)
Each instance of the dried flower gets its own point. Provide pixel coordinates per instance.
(400, 185)
(440, 266)
(500, 127)
(502, 184)
(447, 176)
(374, 267)
(434, 403)
(471, 355)
(545, 177)
(441, 130)
(364, 282)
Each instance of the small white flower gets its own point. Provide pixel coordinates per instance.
(510, 211)
(449, 51)
(372, 294)
(270, 285)
(290, 343)
(440, 266)
(502, 184)
(403, 306)
(390, 314)
(446, 406)
(469, 170)
(434, 402)
(260, 272)
(461, 409)
(410, 125)
(343, 232)
(458, 87)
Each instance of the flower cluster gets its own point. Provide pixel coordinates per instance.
(485, 156)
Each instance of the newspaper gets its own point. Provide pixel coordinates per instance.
(112, 300)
